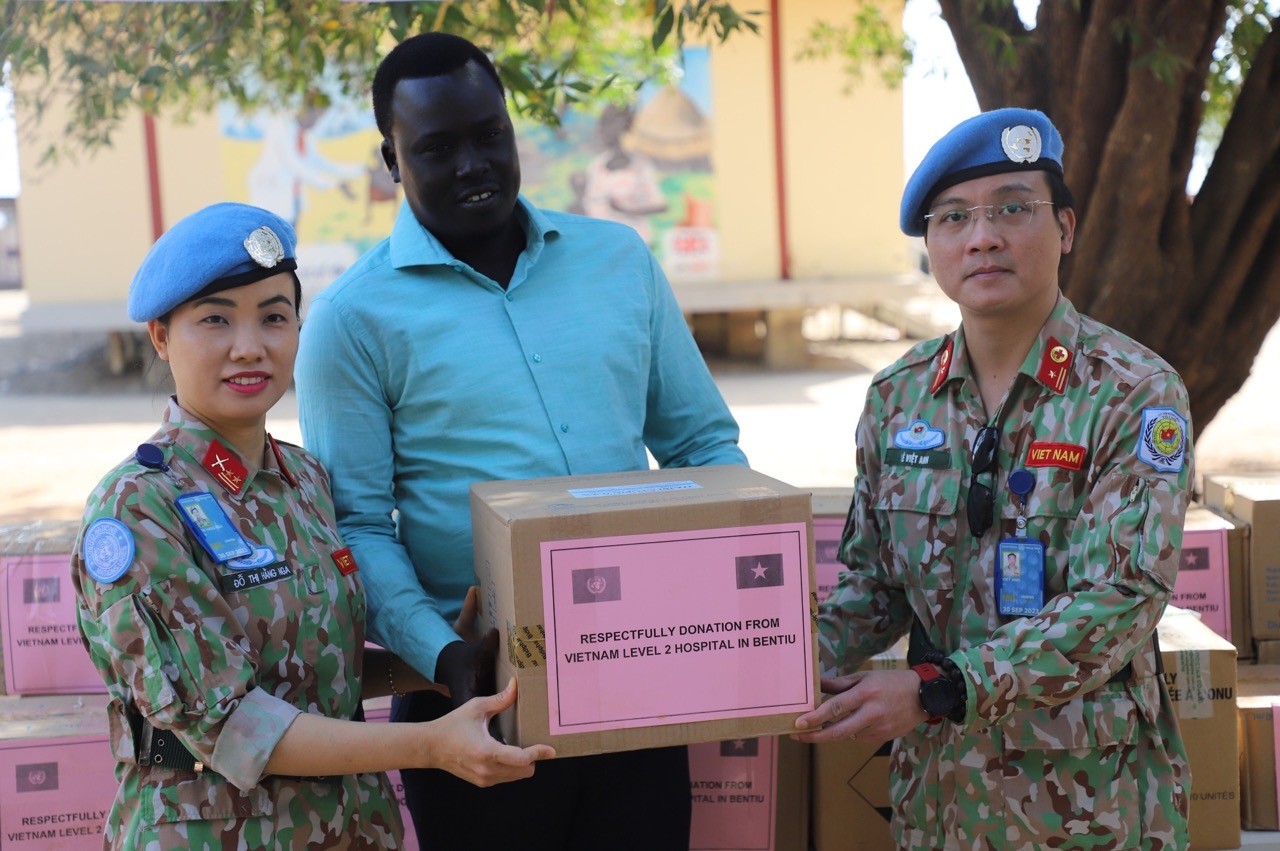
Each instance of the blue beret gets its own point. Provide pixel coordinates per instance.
(220, 247)
(991, 143)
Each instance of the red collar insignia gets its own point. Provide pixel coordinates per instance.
(224, 466)
(944, 366)
(1055, 366)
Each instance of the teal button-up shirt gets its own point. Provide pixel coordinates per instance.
(418, 376)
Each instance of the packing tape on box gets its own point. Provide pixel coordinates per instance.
(527, 646)
(1196, 689)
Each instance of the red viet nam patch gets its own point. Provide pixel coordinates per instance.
(1069, 456)
(345, 561)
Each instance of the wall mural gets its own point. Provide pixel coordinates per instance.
(646, 163)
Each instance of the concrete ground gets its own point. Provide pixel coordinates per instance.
(64, 420)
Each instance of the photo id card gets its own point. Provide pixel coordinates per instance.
(207, 520)
(1020, 576)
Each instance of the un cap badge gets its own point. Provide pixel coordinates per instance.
(264, 247)
(1021, 143)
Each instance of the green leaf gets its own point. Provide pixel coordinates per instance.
(662, 26)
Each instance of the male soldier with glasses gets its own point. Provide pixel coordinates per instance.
(1034, 715)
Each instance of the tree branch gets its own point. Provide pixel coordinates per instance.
(990, 40)
(1249, 146)
(1128, 247)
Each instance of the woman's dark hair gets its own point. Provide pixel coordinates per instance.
(425, 55)
(165, 318)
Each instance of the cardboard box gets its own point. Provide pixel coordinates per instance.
(830, 510)
(851, 809)
(1267, 652)
(649, 608)
(1200, 672)
(57, 774)
(1255, 500)
(42, 650)
(1210, 582)
(749, 795)
(1257, 701)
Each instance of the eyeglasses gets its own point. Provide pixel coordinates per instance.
(953, 221)
(982, 500)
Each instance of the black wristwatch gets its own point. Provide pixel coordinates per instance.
(938, 693)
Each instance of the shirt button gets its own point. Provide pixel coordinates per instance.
(537, 358)
(509, 297)
(564, 427)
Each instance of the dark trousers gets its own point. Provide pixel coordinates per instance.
(632, 801)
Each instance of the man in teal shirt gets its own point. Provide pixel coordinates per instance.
(487, 339)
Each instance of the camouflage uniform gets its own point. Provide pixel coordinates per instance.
(228, 671)
(1049, 754)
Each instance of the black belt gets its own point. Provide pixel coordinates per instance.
(166, 751)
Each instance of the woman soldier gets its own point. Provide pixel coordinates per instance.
(218, 602)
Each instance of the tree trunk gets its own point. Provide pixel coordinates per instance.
(1196, 279)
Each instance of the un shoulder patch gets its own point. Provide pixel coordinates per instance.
(1162, 443)
(108, 549)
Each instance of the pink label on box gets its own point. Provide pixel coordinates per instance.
(644, 630)
(42, 649)
(826, 545)
(1203, 584)
(410, 836)
(733, 785)
(55, 793)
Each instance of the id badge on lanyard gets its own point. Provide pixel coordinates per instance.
(1019, 573)
(208, 522)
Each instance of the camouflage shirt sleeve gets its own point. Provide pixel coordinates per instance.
(1124, 550)
(168, 643)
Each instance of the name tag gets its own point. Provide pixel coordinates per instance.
(208, 522)
(936, 459)
(254, 577)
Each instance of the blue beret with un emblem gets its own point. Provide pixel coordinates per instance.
(222, 246)
(991, 143)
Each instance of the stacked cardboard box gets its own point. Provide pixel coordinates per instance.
(649, 608)
(830, 510)
(42, 651)
(57, 775)
(1212, 578)
(851, 809)
(749, 795)
(1255, 502)
(1200, 672)
(1258, 700)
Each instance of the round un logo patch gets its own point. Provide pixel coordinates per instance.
(108, 549)
(597, 585)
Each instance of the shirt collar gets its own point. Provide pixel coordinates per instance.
(1062, 328)
(414, 245)
(194, 439)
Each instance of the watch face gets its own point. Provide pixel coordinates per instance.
(939, 696)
